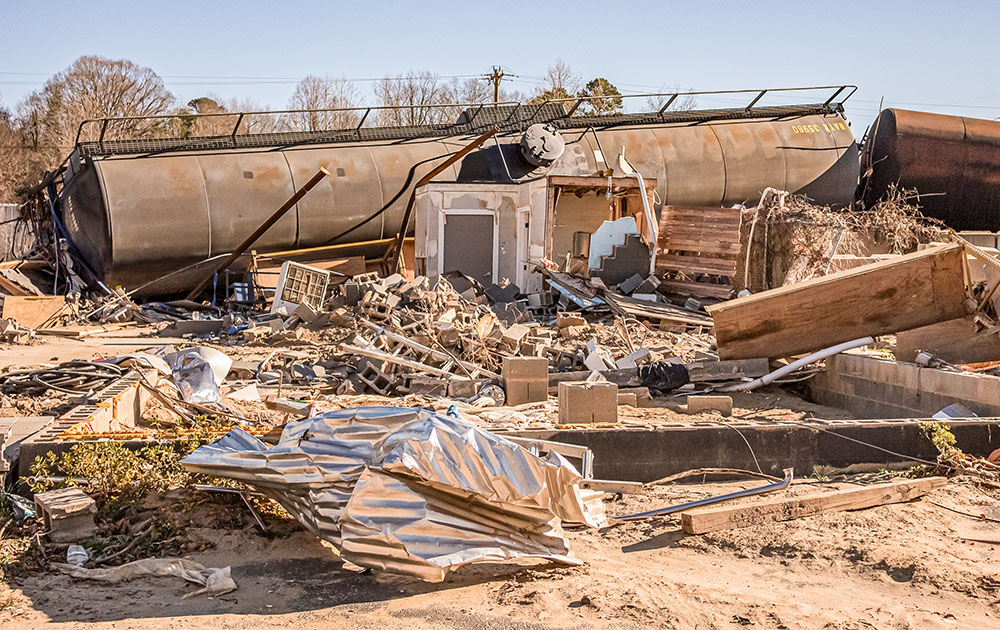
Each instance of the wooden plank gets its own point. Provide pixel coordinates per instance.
(621, 487)
(697, 264)
(32, 310)
(696, 289)
(711, 519)
(955, 341)
(8, 284)
(914, 290)
(624, 305)
(598, 182)
(702, 246)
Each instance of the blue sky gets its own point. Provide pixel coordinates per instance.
(931, 56)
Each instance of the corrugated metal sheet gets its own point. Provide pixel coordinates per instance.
(410, 491)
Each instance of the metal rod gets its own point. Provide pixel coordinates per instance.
(641, 516)
(239, 121)
(264, 227)
(437, 170)
(572, 110)
(754, 101)
(835, 94)
(668, 104)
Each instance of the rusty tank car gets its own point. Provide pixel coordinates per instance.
(952, 162)
(138, 209)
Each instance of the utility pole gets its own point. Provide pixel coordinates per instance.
(495, 77)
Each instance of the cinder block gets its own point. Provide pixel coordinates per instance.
(588, 402)
(462, 388)
(526, 379)
(565, 320)
(722, 404)
(639, 357)
(68, 514)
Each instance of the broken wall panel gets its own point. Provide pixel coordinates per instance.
(914, 290)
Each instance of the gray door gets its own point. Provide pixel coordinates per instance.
(468, 245)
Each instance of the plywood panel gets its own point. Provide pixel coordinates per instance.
(910, 291)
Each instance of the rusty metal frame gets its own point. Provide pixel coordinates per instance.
(575, 101)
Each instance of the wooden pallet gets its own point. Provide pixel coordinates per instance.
(698, 249)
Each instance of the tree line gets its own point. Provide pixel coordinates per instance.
(42, 129)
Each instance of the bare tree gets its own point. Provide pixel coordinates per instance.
(314, 93)
(470, 91)
(561, 77)
(560, 82)
(95, 87)
(683, 103)
(414, 96)
(256, 123)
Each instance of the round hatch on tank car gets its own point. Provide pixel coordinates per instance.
(541, 144)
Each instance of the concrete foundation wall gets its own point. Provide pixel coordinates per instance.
(649, 454)
(870, 387)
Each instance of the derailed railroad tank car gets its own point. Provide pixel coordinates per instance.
(953, 162)
(138, 209)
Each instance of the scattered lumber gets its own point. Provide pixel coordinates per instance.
(16, 283)
(624, 305)
(711, 519)
(914, 290)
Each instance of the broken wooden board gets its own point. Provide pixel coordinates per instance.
(711, 519)
(914, 290)
(624, 305)
(706, 371)
(16, 283)
(955, 341)
(32, 310)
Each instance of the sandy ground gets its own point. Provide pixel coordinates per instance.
(898, 566)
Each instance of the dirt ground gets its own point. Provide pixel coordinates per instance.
(899, 566)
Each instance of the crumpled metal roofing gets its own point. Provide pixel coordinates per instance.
(411, 491)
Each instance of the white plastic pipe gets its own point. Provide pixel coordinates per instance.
(795, 365)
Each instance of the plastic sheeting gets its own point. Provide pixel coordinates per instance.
(213, 581)
(411, 491)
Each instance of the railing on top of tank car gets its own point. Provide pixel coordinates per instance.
(570, 105)
(476, 107)
(671, 97)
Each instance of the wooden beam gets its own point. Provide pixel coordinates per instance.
(598, 182)
(711, 519)
(885, 297)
